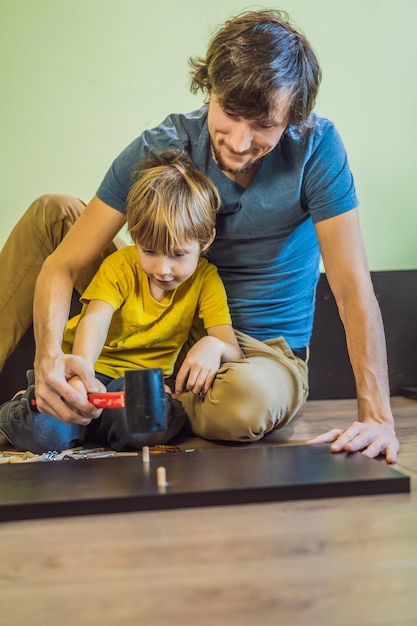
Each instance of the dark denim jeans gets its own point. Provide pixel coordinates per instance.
(27, 429)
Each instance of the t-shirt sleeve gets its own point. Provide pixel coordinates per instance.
(108, 283)
(328, 184)
(213, 309)
(116, 183)
(103, 286)
(170, 134)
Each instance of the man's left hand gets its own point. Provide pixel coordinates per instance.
(371, 438)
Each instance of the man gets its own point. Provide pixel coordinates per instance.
(287, 197)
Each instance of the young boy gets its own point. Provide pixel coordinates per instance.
(139, 309)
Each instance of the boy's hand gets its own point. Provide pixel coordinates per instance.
(76, 383)
(200, 366)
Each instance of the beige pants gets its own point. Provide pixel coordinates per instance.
(252, 397)
(36, 235)
(248, 398)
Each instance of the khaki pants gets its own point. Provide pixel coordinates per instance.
(36, 235)
(248, 398)
(252, 397)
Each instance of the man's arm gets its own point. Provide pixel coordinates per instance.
(92, 232)
(345, 262)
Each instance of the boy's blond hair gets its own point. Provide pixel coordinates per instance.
(171, 203)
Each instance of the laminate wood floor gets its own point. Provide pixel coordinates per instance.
(334, 562)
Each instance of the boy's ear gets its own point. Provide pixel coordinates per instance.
(210, 241)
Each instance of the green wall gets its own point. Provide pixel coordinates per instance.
(81, 78)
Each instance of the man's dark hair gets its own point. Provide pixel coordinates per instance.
(255, 61)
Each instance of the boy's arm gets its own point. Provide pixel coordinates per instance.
(226, 335)
(220, 345)
(200, 366)
(89, 338)
(92, 331)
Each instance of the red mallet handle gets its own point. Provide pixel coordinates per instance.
(108, 399)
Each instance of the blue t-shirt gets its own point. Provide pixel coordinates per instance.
(266, 248)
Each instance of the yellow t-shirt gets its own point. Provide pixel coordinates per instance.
(144, 332)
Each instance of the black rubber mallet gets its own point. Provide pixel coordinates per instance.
(143, 399)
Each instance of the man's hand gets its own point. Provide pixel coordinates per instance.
(372, 438)
(62, 385)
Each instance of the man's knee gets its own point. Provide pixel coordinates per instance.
(52, 208)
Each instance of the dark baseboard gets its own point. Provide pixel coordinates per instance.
(331, 375)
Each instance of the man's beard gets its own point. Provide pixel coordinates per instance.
(248, 167)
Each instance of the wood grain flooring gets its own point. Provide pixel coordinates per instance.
(333, 562)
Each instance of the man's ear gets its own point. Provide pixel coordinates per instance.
(210, 241)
